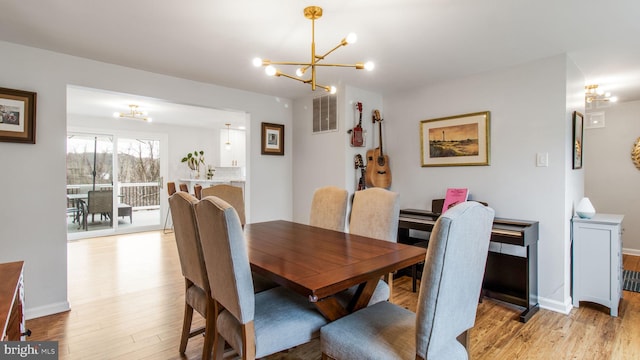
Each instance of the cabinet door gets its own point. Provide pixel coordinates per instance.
(592, 246)
(234, 154)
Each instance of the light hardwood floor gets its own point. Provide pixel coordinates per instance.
(126, 295)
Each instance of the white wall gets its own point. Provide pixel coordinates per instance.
(40, 169)
(530, 113)
(327, 158)
(611, 179)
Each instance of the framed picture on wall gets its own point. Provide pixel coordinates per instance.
(272, 139)
(17, 116)
(578, 126)
(455, 140)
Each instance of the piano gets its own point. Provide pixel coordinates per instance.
(511, 273)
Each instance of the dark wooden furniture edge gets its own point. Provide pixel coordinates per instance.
(505, 231)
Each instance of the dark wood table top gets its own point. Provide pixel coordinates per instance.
(317, 262)
(10, 275)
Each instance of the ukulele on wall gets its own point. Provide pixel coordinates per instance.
(357, 140)
(359, 164)
(378, 173)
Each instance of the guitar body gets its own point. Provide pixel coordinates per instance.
(378, 173)
(356, 136)
(357, 140)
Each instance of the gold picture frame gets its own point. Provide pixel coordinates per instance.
(17, 116)
(460, 140)
(578, 130)
(272, 139)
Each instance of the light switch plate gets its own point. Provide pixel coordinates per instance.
(542, 159)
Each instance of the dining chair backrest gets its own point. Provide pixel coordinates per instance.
(375, 213)
(227, 260)
(452, 277)
(171, 188)
(188, 238)
(100, 201)
(229, 193)
(197, 190)
(184, 188)
(197, 291)
(329, 208)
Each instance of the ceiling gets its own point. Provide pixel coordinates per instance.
(100, 103)
(412, 42)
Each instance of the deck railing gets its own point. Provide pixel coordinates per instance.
(138, 195)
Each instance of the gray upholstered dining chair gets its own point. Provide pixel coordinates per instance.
(447, 303)
(197, 291)
(374, 213)
(253, 325)
(328, 211)
(229, 193)
(329, 208)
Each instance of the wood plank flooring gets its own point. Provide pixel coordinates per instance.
(126, 295)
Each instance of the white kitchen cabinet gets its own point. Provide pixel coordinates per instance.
(234, 155)
(597, 260)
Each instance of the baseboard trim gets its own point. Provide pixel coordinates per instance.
(634, 252)
(50, 309)
(554, 305)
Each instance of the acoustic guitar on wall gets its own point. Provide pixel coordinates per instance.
(378, 173)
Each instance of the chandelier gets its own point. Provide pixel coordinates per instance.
(133, 113)
(592, 93)
(312, 13)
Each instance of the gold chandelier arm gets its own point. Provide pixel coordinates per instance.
(279, 73)
(286, 63)
(358, 66)
(308, 81)
(342, 43)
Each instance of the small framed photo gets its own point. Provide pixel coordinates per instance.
(272, 139)
(578, 126)
(17, 116)
(459, 140)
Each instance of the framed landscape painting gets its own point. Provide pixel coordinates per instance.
(17, 116)
(459, 140)
(272, 139)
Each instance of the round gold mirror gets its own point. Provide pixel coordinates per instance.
(635, 154)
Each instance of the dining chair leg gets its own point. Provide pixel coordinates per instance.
(164, 229)
(389, 279)
(210, 330)
(186, 327)
(248, 341)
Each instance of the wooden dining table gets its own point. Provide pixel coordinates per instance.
(318, 263)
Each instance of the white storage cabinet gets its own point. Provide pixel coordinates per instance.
(597, 260)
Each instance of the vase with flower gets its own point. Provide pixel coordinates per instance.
(194, 160)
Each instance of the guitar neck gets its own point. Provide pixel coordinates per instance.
(380, 136)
